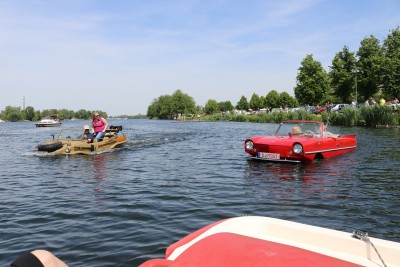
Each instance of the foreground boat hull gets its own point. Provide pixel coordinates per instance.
(264, 241)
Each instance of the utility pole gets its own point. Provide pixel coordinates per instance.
(356, 88)
(355, 72)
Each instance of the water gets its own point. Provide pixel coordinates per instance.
(125, 207)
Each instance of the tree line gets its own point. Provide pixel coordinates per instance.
(30, 114)
(371, 72)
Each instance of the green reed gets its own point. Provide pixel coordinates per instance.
(370, 116)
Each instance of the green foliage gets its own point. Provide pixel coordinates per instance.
(285, 100)
(239, 118)
(182, 103)
(255, 102)
(342, 75)
(276, 117)
(312, 82)
(11, 114)
(302, 114)
(391, 72)
(379, 116)
(351, 116)
(272, 99)
(14, 116)
(370, 59)
(336, 118)
(243, 104)
(225, 106)
(211, 106)
(29, 113)
(164, 107)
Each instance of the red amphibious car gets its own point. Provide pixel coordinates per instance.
(299, 141)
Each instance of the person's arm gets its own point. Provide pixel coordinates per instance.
(105, 124)
(40, 257)
(48, 259)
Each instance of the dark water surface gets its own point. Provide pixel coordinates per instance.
(125, 207)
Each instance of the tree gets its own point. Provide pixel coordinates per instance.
(312, 82)
(38, 115)
(342, 74)
(82, 114)
(370, 59)
(285, 100)
(183, 103)
(29, 113)
(225, 106)
(242, 104)
(256, 102)
(391, 73)
(153, 109)
(199, 109)
(272, 99)
(211, 106)
(12, 114)
(69, 114)
(164, 107)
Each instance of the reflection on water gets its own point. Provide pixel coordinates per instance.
(322, 178)
(283, 171)
(100, 173)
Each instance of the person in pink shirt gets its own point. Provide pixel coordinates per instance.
(99, 125)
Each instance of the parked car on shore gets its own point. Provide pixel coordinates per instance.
(338, 107)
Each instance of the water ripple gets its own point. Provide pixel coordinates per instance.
(124, 207)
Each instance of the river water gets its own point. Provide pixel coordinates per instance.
(172, 178)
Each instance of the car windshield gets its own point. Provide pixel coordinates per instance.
(70, 133)
(299, 127)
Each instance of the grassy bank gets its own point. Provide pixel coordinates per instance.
(370, 116)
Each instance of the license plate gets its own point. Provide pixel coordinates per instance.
(265, 155)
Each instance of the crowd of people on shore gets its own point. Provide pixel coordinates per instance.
(382, 102)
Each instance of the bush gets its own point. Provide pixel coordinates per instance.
(371, 116)
(379, 116)
(351, 116)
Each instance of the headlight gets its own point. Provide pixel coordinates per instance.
(249, 145)
(67, 150)
(297, 149)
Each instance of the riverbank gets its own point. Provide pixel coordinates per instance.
(368, 116)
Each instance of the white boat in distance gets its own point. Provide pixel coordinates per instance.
(49, 121)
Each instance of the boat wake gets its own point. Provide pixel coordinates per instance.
(148, 141)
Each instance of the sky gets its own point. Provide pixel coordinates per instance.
(118, 56)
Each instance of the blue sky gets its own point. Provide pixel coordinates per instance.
(118, 56)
